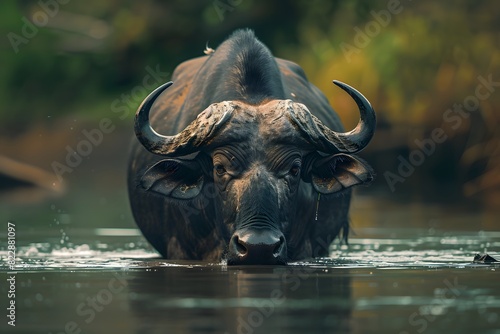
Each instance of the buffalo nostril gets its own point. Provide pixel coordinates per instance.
(240, 247)
(257, 246)
(279, 247)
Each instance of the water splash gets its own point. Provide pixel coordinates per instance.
(126, 248)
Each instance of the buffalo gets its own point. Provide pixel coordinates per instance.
(243, 159)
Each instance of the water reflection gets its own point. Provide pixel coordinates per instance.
(241, 300)
(394, 277)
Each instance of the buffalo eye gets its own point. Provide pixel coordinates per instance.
(219, 170)
(295, 170)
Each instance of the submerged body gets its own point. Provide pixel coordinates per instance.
(247, 160)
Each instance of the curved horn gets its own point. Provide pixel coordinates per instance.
(188, 140)
(361, 135)
(330, 141)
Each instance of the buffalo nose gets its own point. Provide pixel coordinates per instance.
(257, 246)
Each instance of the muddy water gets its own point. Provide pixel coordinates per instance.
(407, 269)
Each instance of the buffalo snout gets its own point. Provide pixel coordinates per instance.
(257, 246)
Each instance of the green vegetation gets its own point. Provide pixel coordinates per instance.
(413, 59)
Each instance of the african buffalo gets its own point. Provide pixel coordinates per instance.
(244, 159)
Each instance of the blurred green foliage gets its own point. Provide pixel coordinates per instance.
(425, 57)
(415, 60)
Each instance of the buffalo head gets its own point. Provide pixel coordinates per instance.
(260, 160)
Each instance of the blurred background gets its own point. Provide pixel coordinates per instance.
(73, 74)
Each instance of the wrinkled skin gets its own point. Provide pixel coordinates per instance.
(250, 191)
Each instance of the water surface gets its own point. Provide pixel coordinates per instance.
(407, 269)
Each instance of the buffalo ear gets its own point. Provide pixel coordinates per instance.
(180, 179)
(339, 172)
